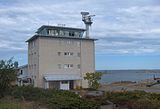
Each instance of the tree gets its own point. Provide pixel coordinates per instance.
(7, 75)
(93, 79)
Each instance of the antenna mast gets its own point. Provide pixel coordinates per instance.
(87, 19)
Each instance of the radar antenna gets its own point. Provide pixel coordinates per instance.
(87, 19)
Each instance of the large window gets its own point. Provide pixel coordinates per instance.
(61, 33)
(53, 32)
(71, 33)
(80, 34)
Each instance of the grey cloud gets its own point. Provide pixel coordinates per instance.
(123, 26)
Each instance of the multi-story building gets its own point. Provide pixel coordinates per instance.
(59, 57)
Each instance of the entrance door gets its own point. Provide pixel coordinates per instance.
(64, 85)
(71, 84)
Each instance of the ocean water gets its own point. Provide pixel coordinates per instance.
(110, 76)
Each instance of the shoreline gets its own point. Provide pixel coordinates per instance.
(121, 86)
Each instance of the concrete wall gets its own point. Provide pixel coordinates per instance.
(23, 70)
(33, 61)
(87, 59)
(46, 59)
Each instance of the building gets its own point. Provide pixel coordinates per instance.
(23, 77)
(59, 57)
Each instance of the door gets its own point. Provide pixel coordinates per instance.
(71, 84)
(64, 85)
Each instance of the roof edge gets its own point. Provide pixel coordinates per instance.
(48, 36)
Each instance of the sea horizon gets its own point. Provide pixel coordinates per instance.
(110, 76)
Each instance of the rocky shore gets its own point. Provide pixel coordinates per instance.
(131, 86)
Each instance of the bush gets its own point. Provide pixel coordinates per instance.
(54, 99)
(134, 99)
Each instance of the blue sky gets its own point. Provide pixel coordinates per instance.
(128, 30)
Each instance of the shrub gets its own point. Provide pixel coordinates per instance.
(54, 99)
(134, 99)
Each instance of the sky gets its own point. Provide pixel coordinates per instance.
(128, 30)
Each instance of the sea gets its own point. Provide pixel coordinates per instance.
(110, 76)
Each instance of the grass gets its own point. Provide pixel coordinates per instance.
(11, 103)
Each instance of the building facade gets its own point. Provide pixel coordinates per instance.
(59, 57)
(23, 77)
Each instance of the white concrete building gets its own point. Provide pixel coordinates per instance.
(59, 57)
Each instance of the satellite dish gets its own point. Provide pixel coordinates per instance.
(85, 13)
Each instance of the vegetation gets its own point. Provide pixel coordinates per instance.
(28, 97)
(7, 75)
(93, 79)
(53, 99)
(129, 100)
(11, 103)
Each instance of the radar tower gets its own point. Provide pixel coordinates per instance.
(87, 19)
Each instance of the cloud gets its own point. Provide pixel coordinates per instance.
(122, 27)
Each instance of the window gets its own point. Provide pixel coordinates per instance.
(68, 65)
(80, 34)
(59, 66)
(53, 32)
(35, 66)
(71, 54)
(59, 53)
(65, 65)
(21, 72)
(61, 33)
(78, 44)
(76, 34)
(68, 42)
(71, 33)
(33, 44)
(78, 54)
(68, 53)
(78, 66)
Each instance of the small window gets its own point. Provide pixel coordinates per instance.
(78, 66)
(33, 44)
(71, 65)
(78, 44)
(78, 54)
(68, 65)
(68, 53)
(59, 66)
(59, 53)
(68, 42)
(65, 53)
(65, 65)
(71, 54)
(21, 72)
